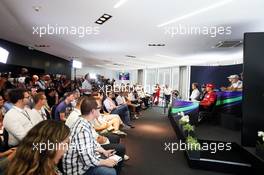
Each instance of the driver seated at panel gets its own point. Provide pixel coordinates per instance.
(209, 100)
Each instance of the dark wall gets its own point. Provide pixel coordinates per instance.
(214, 74)
(21, 55)
(16, 70)
(253, 94)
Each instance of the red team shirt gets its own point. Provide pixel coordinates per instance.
(209, 99)
(158, 91)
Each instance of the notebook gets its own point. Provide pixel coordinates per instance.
(116, 158)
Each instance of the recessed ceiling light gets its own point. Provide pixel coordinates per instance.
(196, 12)
(106, 16)
(36, 8)
(103, 19)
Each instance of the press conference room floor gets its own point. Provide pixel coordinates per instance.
(146, 143)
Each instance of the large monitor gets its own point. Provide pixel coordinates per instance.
(3, 55)
(123, 76)
(76, 64)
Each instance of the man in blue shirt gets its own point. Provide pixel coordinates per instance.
(64, 108)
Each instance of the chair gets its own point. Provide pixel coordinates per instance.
(104, 109)
(53, 110)
(210, 115)
(5, 145)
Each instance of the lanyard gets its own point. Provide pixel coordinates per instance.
(43, 115)
(27, 116)
(24, 112)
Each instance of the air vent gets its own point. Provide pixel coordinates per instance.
(116, 64)
(41, 45)
(73, 57)
(159, 45)
(130, 56)
(228, 44)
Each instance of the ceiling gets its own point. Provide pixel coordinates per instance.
(133, 26)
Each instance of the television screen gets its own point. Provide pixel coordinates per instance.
(3, 55)
(76, 64)
(123, 76)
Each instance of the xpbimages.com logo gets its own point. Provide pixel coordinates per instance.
(51, 146)
(211, 31)
(79, 31)
(211, 147)
(116, 88)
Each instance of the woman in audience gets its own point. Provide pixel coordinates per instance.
(5, 158)
(41, 149)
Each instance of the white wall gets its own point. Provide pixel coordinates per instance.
(169, 76)
(108, 73)
(184, 81)
(105, 72)
(164, 76)
(140, 77)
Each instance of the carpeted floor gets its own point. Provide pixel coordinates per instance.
(146, 147)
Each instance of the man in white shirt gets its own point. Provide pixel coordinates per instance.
(86, 85)
(120, 99)
(236, 84)
(41, 83)
(131, 96)
(75, 114)
(121, 110)
(195, 95)
(17, 120)
(167, 94)
(82, 157)
(39, 113)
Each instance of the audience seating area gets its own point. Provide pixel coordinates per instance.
(30, 101)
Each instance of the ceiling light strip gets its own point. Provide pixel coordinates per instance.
(196, 12)
(119, 3)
